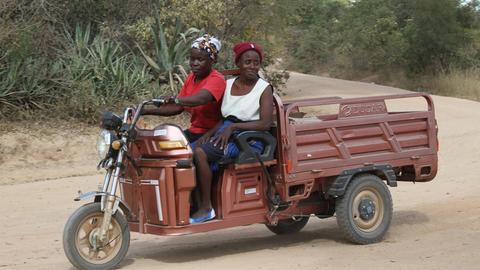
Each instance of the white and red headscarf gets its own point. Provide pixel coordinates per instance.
(208, 43)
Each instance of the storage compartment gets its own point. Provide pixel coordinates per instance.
(163, 177)
(184, 184)
(153, 188)
(243, 192)
(162, 207)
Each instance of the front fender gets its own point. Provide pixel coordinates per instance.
(100, 197)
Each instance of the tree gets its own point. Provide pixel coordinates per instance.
(434, 35)
(370, 36)
(312, 31)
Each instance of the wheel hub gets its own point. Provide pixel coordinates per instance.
(94, 238)
(366, 208)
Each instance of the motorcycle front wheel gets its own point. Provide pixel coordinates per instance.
(81, 234)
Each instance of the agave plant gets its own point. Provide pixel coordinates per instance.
(24, 85)
(98, 74)
(8, 93)
(80, 40)
(170, 53)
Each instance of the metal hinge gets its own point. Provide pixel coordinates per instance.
(285, 142)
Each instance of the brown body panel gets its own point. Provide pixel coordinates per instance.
(310, 153)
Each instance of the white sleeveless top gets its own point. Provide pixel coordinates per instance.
(246, 107)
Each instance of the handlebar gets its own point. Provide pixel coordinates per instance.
(158, 101)
(136, 112)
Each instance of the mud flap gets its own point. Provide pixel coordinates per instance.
(339, 185)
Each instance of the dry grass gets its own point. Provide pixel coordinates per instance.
(458, 83)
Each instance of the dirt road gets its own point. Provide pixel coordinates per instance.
(435, 225)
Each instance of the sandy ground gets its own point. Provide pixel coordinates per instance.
(436, 225)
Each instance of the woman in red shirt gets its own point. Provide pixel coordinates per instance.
(202, 92)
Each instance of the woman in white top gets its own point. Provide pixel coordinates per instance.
(247, 105)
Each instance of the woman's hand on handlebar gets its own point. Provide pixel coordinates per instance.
(170, 108)
(164, 100)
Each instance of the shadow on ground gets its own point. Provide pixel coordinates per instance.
(234, 241)
(216, 244)
(408, 217)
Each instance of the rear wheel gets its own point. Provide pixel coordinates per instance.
(289, 226)
(364, 212)
(81, 234)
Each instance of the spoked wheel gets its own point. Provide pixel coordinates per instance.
(288, 226)
(81, 239)
(365, 211)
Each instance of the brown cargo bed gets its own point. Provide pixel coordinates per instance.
(363, 132)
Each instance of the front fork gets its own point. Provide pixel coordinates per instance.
(108, 201)
(107, 217)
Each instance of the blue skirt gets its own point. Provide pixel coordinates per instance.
(215, 154)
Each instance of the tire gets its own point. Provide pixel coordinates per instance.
(288, 226)
(364, 212)
(79, 232)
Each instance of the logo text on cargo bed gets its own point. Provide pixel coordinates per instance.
(359, 109)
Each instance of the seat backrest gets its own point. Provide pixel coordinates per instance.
(246, 154)
(230, 72)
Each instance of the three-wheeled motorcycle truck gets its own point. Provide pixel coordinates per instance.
(329, 164)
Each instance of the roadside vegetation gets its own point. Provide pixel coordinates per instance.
(73, 59)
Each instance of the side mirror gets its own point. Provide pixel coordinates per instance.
(110, 121)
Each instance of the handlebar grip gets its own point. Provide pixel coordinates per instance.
(157, 102)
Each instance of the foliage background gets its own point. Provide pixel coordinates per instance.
(74, 58)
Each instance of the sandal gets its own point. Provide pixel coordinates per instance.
(209, 216)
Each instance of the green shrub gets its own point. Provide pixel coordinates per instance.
(170, 53)
(25, 85)
(98, 75)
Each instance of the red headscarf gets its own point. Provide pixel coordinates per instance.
(242, 47)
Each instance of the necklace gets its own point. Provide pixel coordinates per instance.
(244, 88)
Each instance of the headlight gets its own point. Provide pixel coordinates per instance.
(104, 141)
